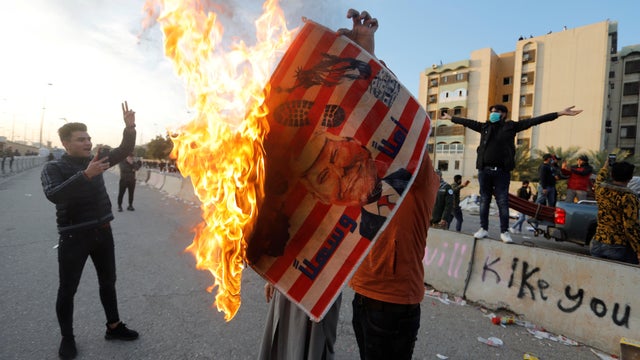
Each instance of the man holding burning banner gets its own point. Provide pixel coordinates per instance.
(340, 171)
(83, 209)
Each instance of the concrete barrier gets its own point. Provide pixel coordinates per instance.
(187, 193)
(156, 179)
(20, 164)
(172, 184)
(589, 300)
(142, 175)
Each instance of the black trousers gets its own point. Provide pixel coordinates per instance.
(126, 185)
(73, 250)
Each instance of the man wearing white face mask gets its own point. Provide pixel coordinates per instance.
(496, 159)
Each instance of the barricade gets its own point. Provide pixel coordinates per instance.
(172, 184)
(187, 192)
(565, 293)
(142, 175)
(156, 179)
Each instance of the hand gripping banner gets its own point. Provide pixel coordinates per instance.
(344, 144)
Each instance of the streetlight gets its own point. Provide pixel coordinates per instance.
(44, 102)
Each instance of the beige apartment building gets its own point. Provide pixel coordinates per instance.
(543, 74)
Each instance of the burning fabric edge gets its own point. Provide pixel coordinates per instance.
(221, 148)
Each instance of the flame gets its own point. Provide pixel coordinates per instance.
(220, 149)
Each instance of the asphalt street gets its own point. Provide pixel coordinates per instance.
(164, 297)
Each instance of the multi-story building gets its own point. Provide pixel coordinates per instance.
(544, 74)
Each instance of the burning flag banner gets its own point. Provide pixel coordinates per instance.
(345, 139)
(298, 170)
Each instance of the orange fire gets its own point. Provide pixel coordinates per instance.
(220, 149)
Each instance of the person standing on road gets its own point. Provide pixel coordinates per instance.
(524, 193)
(457, 210)
(579, 178)
(443, 207)
(547, 185)
(618, 231)
(389, 284)
(128, 170)
(496, 159)
(76, 186)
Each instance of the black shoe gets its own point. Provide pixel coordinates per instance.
(120, 332)
(68, 348)
(130, 208)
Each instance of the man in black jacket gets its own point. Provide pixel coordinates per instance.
(128, 169)
(496, 159)
(83, 210)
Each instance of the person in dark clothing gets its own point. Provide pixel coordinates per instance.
(457, 210)
(524, 193)
(443, 207)
(496, 159)
(547, 193)
(128, 170)
(76, 186)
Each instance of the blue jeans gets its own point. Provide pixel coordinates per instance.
(496, 183)
(518, 224)
(548, 199)
(384, 330)
(621, 253)
(457, 214)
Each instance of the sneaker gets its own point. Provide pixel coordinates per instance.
(130, 208)
(506, 237)
(480, 234)
(68, 348)
(512, 230)
(120, 332)
(119, 208)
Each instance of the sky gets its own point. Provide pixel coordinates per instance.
(80, 59)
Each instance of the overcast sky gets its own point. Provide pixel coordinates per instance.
(95, 53)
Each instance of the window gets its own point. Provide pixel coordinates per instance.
(456, 165)
(430, 148)
(614, 58)
(628, 132)
(528, 56)
(526, 100)
(457, 111)
(432, 115)
(445, 79)
(630, 110)
(433, 82)
(505, 98)
(459, 77)
(632, 67)
(432, 99)
(443, 165)
(631, 88)
(612, 86)
(612, 74)
(506, 81)
(631, 150)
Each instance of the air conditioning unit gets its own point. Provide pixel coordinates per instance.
(524, 80)
(434, 66)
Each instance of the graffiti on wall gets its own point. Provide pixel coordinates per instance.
(529, 283)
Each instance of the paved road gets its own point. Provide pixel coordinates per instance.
(163, 297)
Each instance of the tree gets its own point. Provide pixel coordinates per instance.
(159, 148)
(525, 166)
